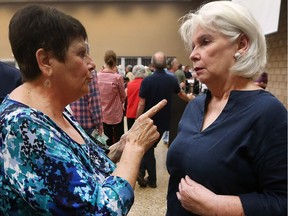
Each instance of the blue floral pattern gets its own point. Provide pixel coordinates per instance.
(44, 172)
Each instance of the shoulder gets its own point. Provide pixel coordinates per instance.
(264, 100)
(17, 117)
(8, 70)
(6, 67)
(269, 104)
(258, 106)
(149, 78)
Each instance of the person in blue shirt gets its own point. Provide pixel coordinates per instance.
(230, 153)
(10, 79)
(48, 164)
(153, 89)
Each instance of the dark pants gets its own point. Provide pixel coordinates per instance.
(113, 132)
(149, 162)
(130, 122)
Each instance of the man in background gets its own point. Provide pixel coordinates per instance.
(154, 88)
(87, 110)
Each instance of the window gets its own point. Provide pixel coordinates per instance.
(133, 60)
(130, 61)
(146, 61)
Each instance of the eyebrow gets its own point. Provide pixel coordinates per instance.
(204, 36)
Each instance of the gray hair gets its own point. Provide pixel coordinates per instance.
(129, 67)
(231, 20)
(139, 71)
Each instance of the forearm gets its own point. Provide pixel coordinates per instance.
(185, 97)
(140, 110)
(138, 140)
(141, 106)
(129, 163)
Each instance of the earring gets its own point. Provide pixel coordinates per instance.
(47, 83)
(237, 56)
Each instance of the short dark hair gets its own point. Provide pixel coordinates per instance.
(37, 26)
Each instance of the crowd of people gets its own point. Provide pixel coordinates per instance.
(55, 161)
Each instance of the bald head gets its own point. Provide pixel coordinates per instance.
(159, 60)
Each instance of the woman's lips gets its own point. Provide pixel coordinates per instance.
(198, 70)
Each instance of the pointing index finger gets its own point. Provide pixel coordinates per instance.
(155, 109)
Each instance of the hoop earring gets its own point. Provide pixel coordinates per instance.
(237, 56)
(47, 83)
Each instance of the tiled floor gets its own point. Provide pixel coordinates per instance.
(152, 201)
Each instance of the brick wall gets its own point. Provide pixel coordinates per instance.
(277, 58)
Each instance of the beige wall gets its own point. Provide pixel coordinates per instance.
(140, 29)
(130, 29)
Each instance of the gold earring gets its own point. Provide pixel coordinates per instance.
(47, 83)
(237, 56)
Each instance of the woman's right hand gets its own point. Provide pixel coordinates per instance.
(144, 133)
(139, 139)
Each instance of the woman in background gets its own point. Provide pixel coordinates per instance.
(112, 94)
(132, 90)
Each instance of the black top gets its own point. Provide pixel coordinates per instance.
(243, 153)
(153, 89)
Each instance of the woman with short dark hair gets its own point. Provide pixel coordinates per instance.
(48, 164)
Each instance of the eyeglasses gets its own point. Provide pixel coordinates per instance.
(87, 47)
(94, 72)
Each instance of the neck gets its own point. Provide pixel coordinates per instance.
(223, 89)
(41, 98)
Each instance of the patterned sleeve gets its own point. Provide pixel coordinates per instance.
(95, 103)
(56, 176)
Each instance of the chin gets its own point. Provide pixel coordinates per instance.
(203, 80)
(85, 92)
(86, 88)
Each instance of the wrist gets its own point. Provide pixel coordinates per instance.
(134, 148)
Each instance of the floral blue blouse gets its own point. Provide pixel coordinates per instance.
(44, 172)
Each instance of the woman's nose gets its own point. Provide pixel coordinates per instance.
(194, 55)
(90, 62)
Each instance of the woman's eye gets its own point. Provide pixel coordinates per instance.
(83, 55)
(205, 41)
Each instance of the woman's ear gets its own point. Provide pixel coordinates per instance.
(243, 43)
(43, 60)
